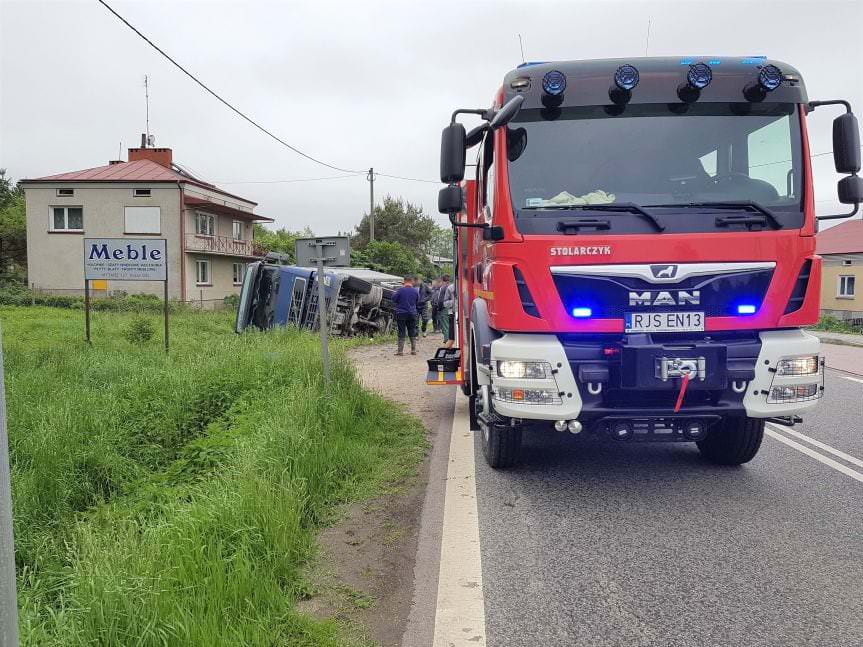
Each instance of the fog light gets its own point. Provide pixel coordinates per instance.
(803, 365)
(794, 393)
(527, 396)
(693, 430)
(560, 425)
(575, 427)
(621, 430)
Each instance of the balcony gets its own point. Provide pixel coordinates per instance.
(223, 245)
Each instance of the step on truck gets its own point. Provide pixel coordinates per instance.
(635, 252)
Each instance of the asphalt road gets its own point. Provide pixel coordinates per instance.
(595, 543)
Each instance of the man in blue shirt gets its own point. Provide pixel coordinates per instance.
(406, 298)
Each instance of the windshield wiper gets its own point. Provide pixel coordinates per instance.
(625, 207)
(742, 205)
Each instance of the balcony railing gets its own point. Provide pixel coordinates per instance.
(223, 245)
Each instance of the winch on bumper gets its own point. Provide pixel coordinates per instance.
(630, 385)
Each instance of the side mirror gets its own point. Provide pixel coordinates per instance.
(452, 153)
(507, 112)
(492, 233)
(450, 199)
(850, 189)
(846, 144)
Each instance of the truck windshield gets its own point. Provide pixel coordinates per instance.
(676, 159)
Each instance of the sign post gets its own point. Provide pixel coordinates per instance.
(124, 259)
(8, 599)
(333, 251)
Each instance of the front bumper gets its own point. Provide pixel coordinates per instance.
(604, 377)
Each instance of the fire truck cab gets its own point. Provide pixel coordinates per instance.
(635, 251)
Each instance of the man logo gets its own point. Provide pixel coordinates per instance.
(664, 271)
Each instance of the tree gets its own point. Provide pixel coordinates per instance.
(398, 221)
(383, 256)
(280, 241)
(13, 226)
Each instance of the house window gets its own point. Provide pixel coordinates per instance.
(205, 224)
(65, 193)
(141, 193)
(846, 287)
(238, 230)
(846, 262)
(202, 272)
(67, 218)
(239, 273)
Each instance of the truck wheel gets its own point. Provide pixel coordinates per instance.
(734, 441)
(500, 443)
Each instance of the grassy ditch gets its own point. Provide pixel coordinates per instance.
(174, 500)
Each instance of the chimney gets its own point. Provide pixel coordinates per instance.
(162, 156)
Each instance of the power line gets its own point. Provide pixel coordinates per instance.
(410, 179)
(214, 94)
(301, 179)
(242, 115)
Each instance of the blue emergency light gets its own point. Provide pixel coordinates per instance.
(554, 83)
(626, 77)
(582, 312)
(746, 309)
(770, 77)
(699, 76)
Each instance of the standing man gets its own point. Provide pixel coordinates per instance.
(445, 291)
(449, 308)
(406, 298)
(435, 305)
(425, 294)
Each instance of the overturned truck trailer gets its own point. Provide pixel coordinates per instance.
(357, 300)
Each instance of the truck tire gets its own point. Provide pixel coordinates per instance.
(734, 441)
(500, 443)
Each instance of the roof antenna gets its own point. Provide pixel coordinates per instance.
(647, 41)
(521, 46)
(120, 152)
(147, 101)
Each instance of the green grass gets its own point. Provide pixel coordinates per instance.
(833, 324)
(175, 500)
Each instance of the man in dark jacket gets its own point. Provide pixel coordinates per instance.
(406, 298)
(425, 294)
(435, 305)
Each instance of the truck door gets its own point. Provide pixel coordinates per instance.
(247, 293)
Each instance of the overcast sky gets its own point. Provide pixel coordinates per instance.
(357, 84)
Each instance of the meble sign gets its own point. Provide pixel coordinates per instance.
(125, 259)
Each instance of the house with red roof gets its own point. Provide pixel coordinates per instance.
(841, 248)
(209, 232)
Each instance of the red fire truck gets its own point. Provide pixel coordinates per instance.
(635, 252)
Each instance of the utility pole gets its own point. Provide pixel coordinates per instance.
(371, 178)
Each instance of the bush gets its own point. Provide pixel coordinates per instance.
(139, 331)
(829, 323)
(232, 301)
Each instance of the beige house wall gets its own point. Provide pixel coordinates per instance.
(221, 278)
(56, 259)
(833, 267)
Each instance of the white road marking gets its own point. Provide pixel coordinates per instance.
(827, 448)
(460, 614)
(839, 467)
(853, 379)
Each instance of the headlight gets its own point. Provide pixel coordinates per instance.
(803, 365)
(517, 370)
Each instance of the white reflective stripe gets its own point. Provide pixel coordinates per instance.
(647, 272)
